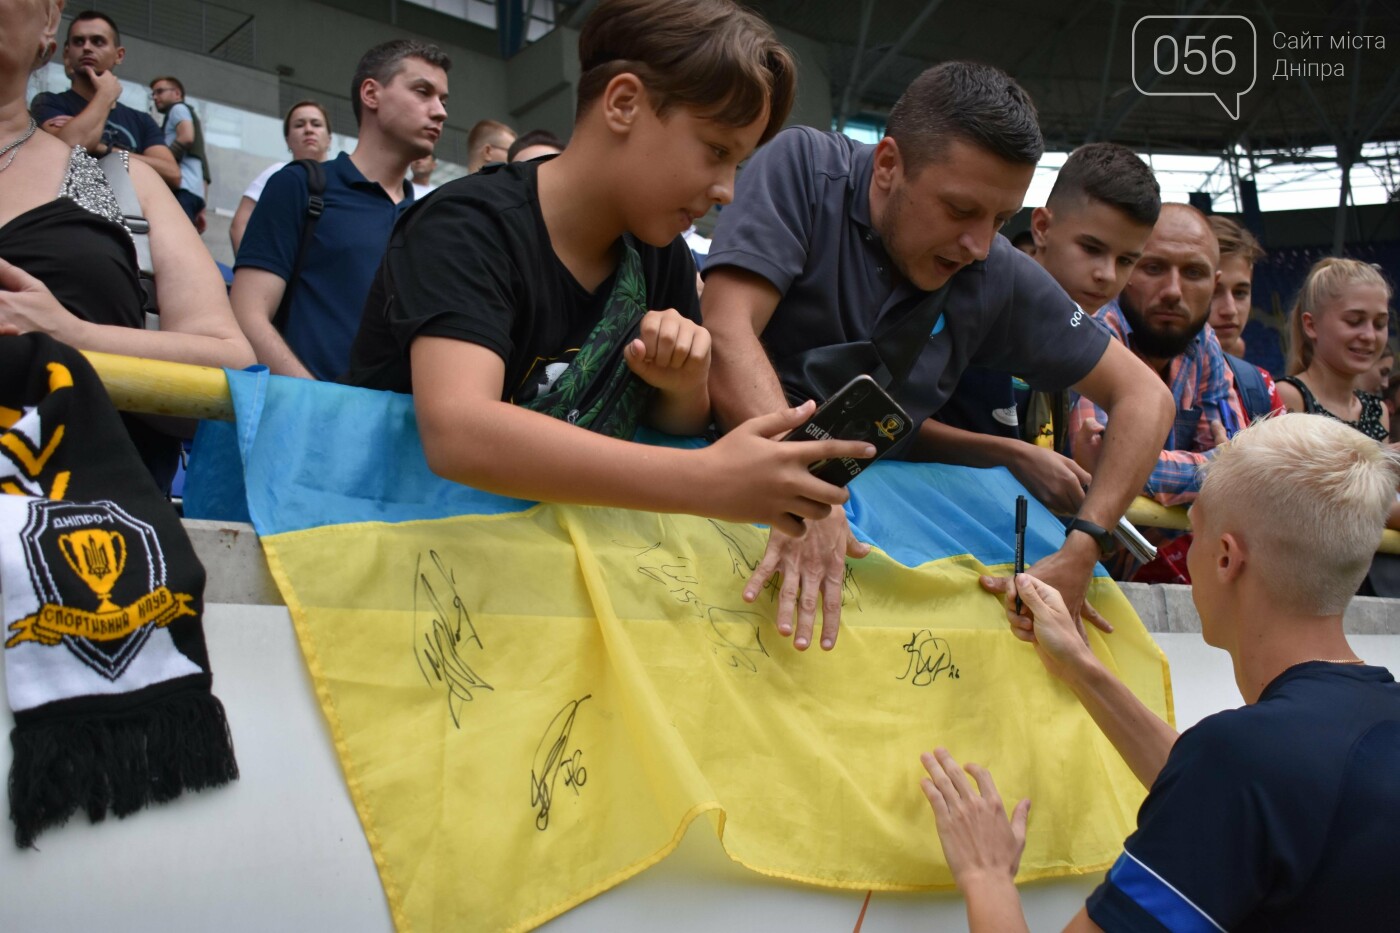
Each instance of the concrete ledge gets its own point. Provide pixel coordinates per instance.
(238, 574)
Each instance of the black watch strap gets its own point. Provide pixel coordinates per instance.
(1100, 534)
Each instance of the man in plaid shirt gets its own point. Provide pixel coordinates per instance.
(1161, 316)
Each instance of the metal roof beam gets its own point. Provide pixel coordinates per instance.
(844, 111)
(910, 31)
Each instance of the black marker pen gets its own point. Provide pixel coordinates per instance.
(1020, 544)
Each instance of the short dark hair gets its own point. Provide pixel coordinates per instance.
(287, 120)
(970, 101)
(167, 78)
(1111, 174)
(533, 138)
(1235, 240)
(87, 15)
(484, 130)
(386, 60)
(714, 57)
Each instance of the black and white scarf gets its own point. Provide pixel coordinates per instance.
(105, 663)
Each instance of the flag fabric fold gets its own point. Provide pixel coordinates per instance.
(533, 702)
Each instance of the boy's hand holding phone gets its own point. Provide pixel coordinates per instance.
(672, 352)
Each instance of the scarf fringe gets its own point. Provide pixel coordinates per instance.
(119, 763)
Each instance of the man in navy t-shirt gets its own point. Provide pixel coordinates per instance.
(1280, 815)
(88, 114)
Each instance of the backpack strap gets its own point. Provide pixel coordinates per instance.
(1254, 394)
(315, 205)
(899, 343)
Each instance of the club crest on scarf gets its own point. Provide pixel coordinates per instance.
(100, 577)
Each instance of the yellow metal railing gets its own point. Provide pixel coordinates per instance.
(160, 388)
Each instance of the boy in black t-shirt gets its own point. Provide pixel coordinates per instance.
(519, 304)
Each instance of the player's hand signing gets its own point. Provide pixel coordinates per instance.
(812, 569)
(752, 477)
(1068, 570)
(1045, 622)
(671, 353)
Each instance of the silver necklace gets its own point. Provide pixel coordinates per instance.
(13, 148)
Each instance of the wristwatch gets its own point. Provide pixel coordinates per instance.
(1102, 536)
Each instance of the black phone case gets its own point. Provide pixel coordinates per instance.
(859, 411)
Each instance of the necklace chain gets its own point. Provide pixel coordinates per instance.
(13, 148)
(1334, 661)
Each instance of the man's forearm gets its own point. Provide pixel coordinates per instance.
(743, 383)
(273, 352)
(1137, 423)
(163, 162)
(85, 128)
(942, 443)
(1140, 737)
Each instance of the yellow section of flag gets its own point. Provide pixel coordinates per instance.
(531, 707)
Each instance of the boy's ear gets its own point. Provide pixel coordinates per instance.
(622, 101)
(1041, 219)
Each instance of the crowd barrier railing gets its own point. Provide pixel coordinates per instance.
(178, 389)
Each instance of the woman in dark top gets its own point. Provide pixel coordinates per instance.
(1338, 326)
(68, 262)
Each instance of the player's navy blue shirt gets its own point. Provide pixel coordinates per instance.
(1281, 816)
(340, 260)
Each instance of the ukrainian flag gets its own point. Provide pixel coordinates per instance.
(534, 702)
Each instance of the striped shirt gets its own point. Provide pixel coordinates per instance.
(1205, 398)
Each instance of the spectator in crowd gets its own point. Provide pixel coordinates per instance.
(1378, 377)
(1161, 316)
(508, 301)
(1279, 815)
(67, 259)
(185, 139)
(1392, 400)
(399, 97)
(307, 130)
(534, 144)
(833, 249)
(488, 141)
(1088, 235)
(1338, 325)
(420, 172)
(89, 113)
(1230, 306)
(1025, 242)
(1254, 389)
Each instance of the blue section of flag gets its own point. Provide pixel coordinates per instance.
(314, 454)
(1154, 895)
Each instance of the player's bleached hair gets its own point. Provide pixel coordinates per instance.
(1308, 496)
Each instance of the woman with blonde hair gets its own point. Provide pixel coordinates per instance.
(1337, 327)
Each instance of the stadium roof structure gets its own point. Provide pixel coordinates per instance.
(1076, 60)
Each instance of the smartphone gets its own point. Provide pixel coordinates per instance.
(859, 411)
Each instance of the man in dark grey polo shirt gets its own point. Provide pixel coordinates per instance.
(838, 258)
